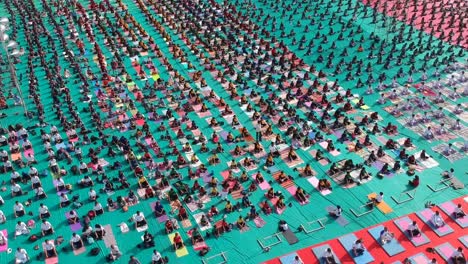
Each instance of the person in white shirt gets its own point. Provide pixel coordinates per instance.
(32, 171)
(15, 177)
(40, 193)
(458, 257)
(328, 257)
(156, 258)
(428, 133)
(21, 256)
(99, 231)
(64, 201)
(76, 242)
(114, 253)
(92, 194)
(3, 239)
(46, 228)
(378, 199)
(18, 209)
(83, 168)
(448, 174)
(21, 229)
(3, 155)
(386, 236)
(59, 184)
(98, 209)
(2, 217)
(49, 249)
(43, 211)
(3, 141)
(413, 229)
(358, 248)
(283, 226)
(337, 211)
(437, 220)
(35, 182)
(458, 212)
(139, 219)
(16, 190)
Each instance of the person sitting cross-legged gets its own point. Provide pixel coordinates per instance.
(437, 220)
(358, 248)
(178, 242)
(386, 236)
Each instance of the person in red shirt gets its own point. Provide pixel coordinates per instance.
(178, 243)
(414, 182)
(183, 213)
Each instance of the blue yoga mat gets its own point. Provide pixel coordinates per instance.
(419, 258)
(288, 259)
(320, 251)
(347, 241)
(426, 215)
(392, 248)
(464, 240)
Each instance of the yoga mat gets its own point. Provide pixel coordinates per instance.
(74, 227)
(80, 250)
(426, 216)
(181, 251)
(4, 247)
(347, 241)
(320, 251)
(264, 185)
(52, 260)
(340, 220)
(186, 223)
(464, 240)
(259, 222)
(109, 238)
(142, 228)
(29, 152)
(403, 223)
(163, 218)
(382, 206)
(198, 218)
(445, 251)
(449, 208)
(290, 237)
(244, 229)
(314, 182)
(288, 259)
(199, 246)
(419, 259)
(15, 156)
(392, 248)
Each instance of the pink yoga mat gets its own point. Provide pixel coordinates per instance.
(292, 190)
(29, 151)
(259, 222)
(4, 247)
(52, 260)
(449, 208)
(427, 214)
(79, 251)
(445, 250)
(404, 225)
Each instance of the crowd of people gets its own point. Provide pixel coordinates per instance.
(125, 112)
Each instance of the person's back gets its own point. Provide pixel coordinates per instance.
(133, 260)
